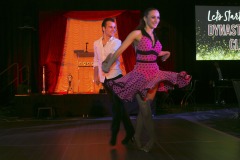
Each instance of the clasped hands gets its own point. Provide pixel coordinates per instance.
(105, 65)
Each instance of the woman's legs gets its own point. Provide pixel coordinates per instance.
(139, 124)
(145, 119)
(149, 125)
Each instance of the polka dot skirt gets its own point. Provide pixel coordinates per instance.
(146, 74)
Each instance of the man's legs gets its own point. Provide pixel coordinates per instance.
(124, 117)
(119, 114)
(116, 120)
(116, 113)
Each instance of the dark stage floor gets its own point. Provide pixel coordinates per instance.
(181, 136)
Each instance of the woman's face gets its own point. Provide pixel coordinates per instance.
(153, 18)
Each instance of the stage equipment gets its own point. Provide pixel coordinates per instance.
(85, 75)
(70, 89)
(43, 83)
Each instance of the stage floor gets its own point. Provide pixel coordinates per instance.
(180, 137)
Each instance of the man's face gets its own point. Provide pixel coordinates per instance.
(110, 29)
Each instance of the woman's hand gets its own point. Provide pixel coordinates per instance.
(165, 55)
(105, 66)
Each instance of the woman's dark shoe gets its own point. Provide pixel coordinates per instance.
(145, 149)
(148, 146)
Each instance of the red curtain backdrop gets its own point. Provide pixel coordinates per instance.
(93, 15)
(127, 22)
(52, 30)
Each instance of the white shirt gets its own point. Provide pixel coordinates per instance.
(100, 54)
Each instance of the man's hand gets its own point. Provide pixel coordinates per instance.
(97, 82)
(96, 77)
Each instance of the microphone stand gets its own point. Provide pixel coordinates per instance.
(86, 47)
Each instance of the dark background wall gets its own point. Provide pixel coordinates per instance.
(177, 14)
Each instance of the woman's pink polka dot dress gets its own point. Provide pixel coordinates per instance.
(146, 73)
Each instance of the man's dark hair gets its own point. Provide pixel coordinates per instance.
(106, 20)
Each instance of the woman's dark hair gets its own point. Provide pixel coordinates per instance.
(142, 23)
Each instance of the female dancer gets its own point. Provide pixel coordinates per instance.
(146, 78)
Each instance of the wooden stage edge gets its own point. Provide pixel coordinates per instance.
(66, 105)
